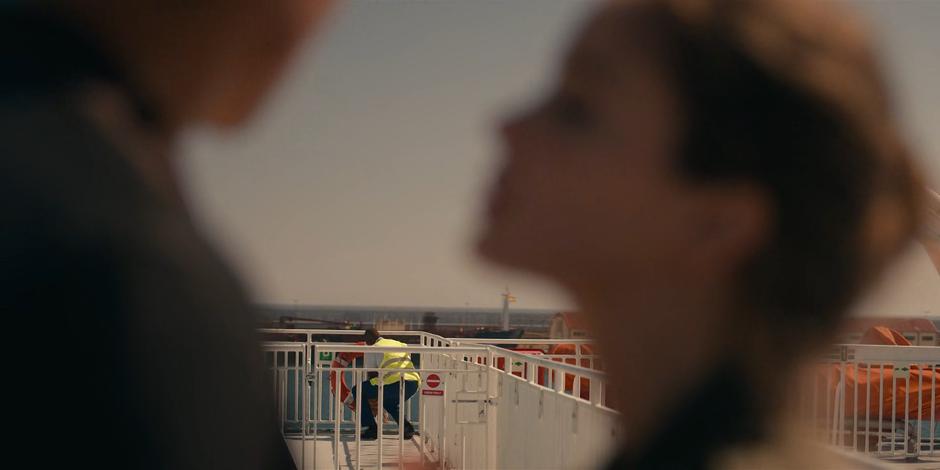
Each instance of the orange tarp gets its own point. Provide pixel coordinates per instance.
(884, 336)
(912, 393)
(880, 392)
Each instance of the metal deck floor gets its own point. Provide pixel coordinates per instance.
(319, 452)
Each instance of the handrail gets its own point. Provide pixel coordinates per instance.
(545, 362)
(539, 361)
(337, 347)
(522, 341)
(889, 353)
(324, 331)
(573, 369)
(321, 331)
(283, 344)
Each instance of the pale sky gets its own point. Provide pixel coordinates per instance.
(360, 181)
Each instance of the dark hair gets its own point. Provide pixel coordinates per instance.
(371, 335)
(787, 95)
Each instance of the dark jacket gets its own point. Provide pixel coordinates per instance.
(128, 343)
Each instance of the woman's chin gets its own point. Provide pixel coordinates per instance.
(494, 248)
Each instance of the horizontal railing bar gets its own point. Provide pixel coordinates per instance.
(282, 345)
(520, 341)
(536, 360)
(590, 374)
(539, 361)
(403, 371)
(582, 372)
(323, 331)
(863, 353)
(336, 347)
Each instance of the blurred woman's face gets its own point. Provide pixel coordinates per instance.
(590, 195)
(588, 188)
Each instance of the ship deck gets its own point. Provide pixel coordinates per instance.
(319, 452)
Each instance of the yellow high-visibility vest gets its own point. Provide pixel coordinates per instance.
(395, 360)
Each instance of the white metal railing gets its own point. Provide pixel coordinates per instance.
(538, 407)
(541, 421)
(309, 333)
(457, 363)
(582, 349)
(879, 400)
(499, 408)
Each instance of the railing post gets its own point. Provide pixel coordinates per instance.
(910, 441)
(933, 415)
(442, 440)
(867, 406)
(337, 412)
(595, 392)
(401, 421)
(380, 412)
(492, 409)
(303, 410)
(840, 416)
(313, 357)
(358, 417)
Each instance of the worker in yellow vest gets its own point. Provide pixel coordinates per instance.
(408, 378)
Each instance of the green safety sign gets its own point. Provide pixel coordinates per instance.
(326, 356)
(902, 373)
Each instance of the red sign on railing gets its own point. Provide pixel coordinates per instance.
(431, 383)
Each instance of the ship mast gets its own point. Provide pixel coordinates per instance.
(508, 298)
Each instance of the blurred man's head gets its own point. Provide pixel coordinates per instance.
(208, 61)
(371, 336)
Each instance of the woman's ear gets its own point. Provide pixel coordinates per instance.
(734, 221)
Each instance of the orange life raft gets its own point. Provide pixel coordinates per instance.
(881, 389)
(343, 360)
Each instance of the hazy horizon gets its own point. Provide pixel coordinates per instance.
(361, 180)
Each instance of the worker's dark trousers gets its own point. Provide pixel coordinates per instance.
(389, 400)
